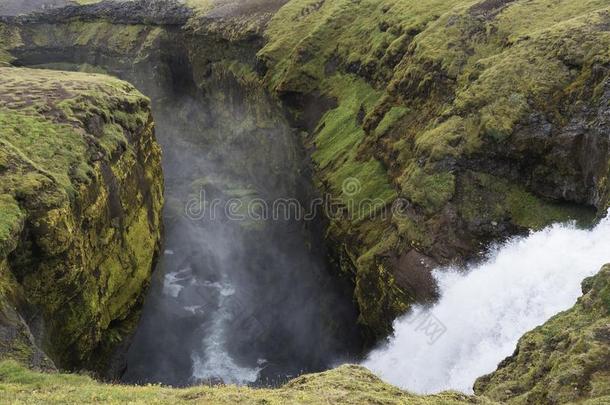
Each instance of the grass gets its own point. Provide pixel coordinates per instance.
(344, 385)
(11, 221)
(337, 140)
(430, 191)
(52, 149)
(42, 115)
(343, 28)
(489, 198)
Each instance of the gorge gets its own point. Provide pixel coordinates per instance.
(471, 123)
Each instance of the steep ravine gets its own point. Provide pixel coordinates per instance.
(409, 117)
(471, 121)
(238, 301)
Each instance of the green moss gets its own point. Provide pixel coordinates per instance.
(119, 39)
(11, 221)
(339, 132)
(489, 198)
(55, 148)
(305, 34)
(9, 38)
(200, 5)
(135, 41)
(429, 191)
(448, 139)
(390, 119)
(337, 139)
(51, 148)
(413, 232)
(345, 385)
(242, 72)
(380, 300)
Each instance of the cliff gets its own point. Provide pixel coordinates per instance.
(468, 121)
(80, 201)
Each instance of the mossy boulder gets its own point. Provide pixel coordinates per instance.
(80, 201)
(566, 360)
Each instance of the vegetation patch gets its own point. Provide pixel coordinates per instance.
(344, 385)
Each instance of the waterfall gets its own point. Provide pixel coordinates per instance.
(484, 311)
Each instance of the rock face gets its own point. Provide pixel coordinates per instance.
(475, 121)
(566, 360)
(152, 12)
(80, 202)
(15, 7)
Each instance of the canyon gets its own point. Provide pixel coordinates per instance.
(471, 123)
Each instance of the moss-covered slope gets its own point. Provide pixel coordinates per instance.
(344, 385)
(80, 201)
(473, 119)
(566, 360)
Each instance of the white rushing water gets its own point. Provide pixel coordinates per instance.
(216, 362)
(482, 313)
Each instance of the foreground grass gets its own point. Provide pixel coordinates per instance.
(344, 385)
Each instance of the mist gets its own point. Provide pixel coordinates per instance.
(482, 313)
(237, 301)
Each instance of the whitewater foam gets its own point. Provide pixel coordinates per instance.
(482, 313)
(215, 362)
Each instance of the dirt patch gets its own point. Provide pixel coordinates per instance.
(413, 273)
(489, 9)
(238, 8)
